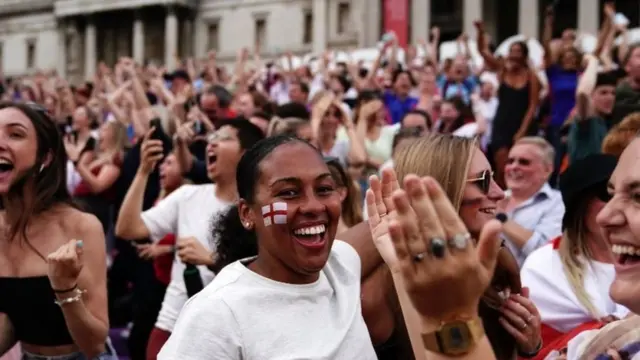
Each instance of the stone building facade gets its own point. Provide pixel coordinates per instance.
(73, 35)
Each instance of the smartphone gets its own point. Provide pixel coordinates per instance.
(90, 145)
(158, 132)
(197, 127)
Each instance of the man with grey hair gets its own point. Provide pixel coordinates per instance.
(535, 210)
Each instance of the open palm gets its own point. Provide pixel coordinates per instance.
(381, 210)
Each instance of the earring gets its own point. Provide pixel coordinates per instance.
(41, 167)
(248, 225)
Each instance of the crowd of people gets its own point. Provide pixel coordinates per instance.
(416, 209)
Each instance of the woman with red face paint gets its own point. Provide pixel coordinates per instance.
(300, 296)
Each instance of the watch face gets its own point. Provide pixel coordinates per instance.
(456, 338)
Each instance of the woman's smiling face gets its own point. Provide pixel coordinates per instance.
(296, 175)
(480, 199)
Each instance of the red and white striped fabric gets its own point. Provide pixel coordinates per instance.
(275, 213)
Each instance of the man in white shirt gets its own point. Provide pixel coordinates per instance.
(535, 210)
(187, 213)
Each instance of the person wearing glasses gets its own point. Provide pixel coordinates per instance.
(535, 210)
(512, 326)
(569, 279)
(52, 255)
(187, 213)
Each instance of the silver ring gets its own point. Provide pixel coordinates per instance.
(524, 327)
(419, 257)
(460, 241)
(530, 318)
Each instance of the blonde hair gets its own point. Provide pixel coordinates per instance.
(573, 251)
(548, 152)
(433, 155)
(288, 126)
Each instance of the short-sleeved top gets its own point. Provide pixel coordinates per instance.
(186, 212)
(243, 315)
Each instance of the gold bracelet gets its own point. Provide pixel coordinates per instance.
(71, 299)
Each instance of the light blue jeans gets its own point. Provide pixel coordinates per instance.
(110, 354)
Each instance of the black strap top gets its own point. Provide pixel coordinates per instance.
(36, 319)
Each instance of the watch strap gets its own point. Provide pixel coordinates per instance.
(455, 337)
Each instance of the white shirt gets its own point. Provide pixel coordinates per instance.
(242, 315)
(186, 212)
(550, 291)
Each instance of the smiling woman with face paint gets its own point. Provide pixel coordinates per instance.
(300, 296)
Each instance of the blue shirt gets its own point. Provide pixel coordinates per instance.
(542, 214)
(398, 107)
(562, 86)
(463, 89)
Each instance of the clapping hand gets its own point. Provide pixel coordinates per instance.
(445, 273)
(381, 209)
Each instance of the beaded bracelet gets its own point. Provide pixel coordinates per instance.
(71, 299)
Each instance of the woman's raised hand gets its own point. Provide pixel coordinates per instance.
(445, 273)
(381, 209)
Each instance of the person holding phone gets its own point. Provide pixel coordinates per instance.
(187, 213)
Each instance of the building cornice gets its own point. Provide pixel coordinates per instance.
(12, 7)
(65, 8)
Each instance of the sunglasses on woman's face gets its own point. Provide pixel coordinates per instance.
(483, 182)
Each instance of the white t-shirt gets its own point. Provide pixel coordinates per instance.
(550, 291)
(242, 315)
(186, 212)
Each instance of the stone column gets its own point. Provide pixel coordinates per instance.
(320, 21)
(90, 60)
(61, 68)
(138, 38)
(374, 23)
(471, 11)
(200, 37)
(170, 38)
(588, 16)
(529, 18)
(420, 20)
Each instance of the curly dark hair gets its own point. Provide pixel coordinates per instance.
(233, 241)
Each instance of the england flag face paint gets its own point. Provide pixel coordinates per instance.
(275, 213)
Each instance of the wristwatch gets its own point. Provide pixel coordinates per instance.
(455, 338)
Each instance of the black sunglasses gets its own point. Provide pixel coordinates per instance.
(483, 182)
(521, 161)
(601, 192)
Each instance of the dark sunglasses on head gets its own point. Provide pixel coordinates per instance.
(483, 182)
(601, 192)
(520, 161)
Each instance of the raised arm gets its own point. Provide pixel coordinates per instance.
(489, 60)
(547, 37)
